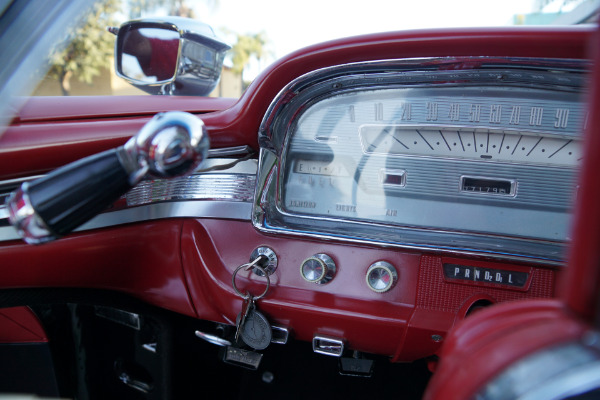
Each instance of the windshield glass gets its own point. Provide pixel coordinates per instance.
(263, 31)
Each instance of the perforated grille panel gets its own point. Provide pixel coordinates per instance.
(434, 293)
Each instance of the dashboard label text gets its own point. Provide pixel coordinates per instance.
(486, 275)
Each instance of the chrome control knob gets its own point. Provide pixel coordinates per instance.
(319, 269)
(171, 144)
(381, 276)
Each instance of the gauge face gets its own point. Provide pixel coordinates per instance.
(472, 155)
(498, 161)
(522, 147)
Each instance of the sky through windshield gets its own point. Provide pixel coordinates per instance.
(293, 25)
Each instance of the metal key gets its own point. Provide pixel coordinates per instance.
(247, 306)
(251, 325)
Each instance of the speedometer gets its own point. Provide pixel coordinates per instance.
(518, 146)
(425, 159)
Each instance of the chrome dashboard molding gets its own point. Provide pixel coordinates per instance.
(16, 182)
(451, 65)
(230, 151)
(179, 209)
(226, 187)
(269, 216)
(235, 184)
(7, 186)
(230, 199)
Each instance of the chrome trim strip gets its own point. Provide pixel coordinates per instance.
(230, 151)
(243, 167)
(18, 181)
(456, 251)
(213, 339)
(225, 187)
(199, 205)
(180, 209)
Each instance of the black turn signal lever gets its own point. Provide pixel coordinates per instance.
(171, 144)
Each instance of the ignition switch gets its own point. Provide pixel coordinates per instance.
(268, 262)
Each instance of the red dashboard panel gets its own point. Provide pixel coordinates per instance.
(50, 132)
(186, 266)
(400, 323)
(141, 259)
(93, 107)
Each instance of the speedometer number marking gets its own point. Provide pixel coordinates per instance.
(406, 113)
(515, 115)
(536, 115)
(474, 113)
(495, 113)
(454, 112)
(432, 111)
(562, 118)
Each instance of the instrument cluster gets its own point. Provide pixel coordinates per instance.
(468, 156)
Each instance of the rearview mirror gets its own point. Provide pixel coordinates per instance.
(172, 55)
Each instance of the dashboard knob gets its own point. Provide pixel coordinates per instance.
(319, 269)
(381, 276)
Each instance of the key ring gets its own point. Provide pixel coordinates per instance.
(247, 266)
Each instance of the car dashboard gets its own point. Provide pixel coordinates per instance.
(393, 193)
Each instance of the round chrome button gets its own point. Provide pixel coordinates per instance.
(381, 276)
(319, 269)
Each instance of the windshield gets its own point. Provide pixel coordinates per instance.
(263, 31)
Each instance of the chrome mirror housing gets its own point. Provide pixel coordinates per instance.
(170, 55)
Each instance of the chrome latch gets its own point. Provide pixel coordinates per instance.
(328, 346)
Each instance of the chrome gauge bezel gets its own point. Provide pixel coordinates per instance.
(270, 216)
